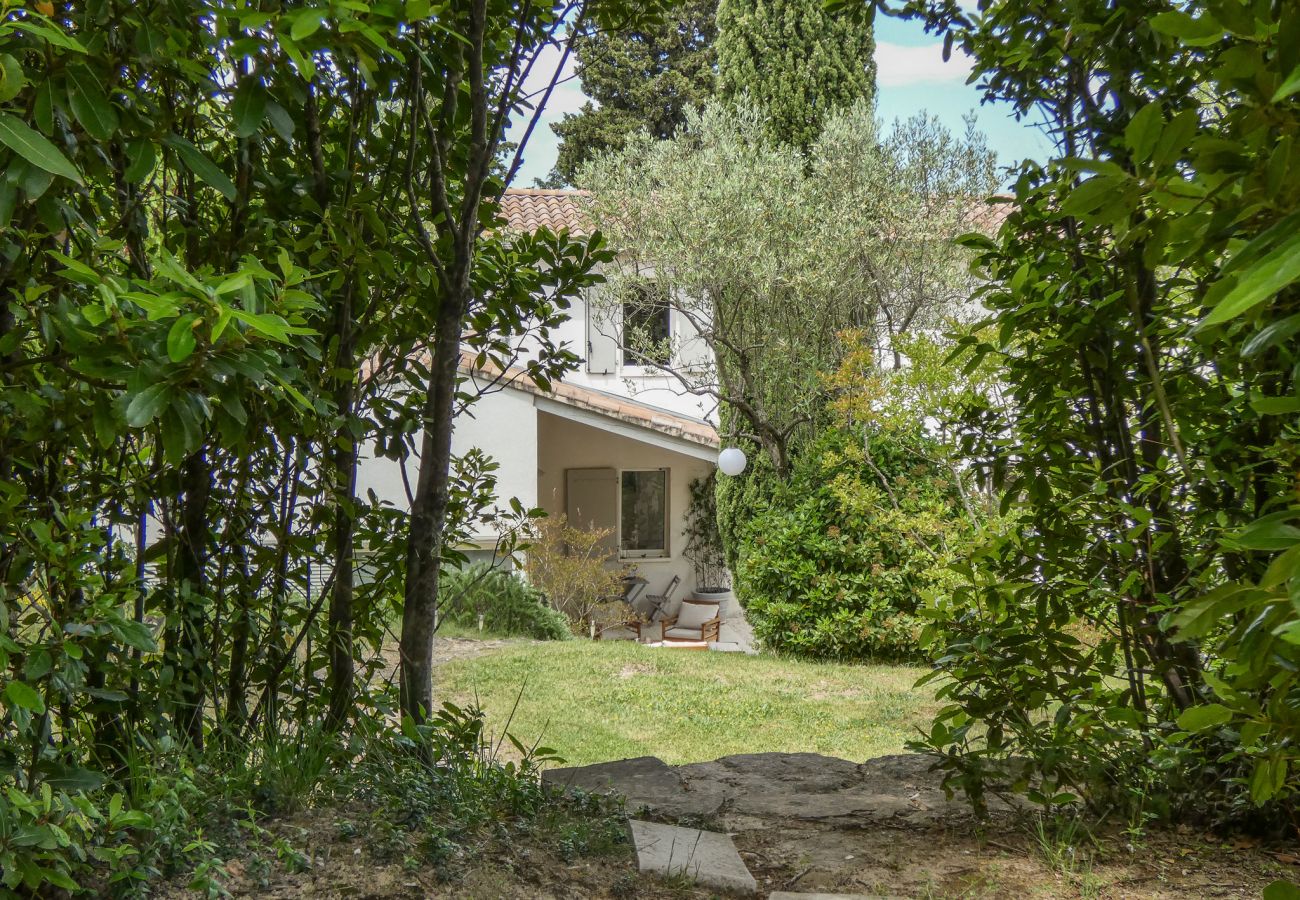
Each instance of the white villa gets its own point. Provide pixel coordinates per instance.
(615, 446)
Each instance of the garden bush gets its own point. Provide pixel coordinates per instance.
(839, 563)
(507, 603)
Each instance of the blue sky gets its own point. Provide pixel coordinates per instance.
(911, 77)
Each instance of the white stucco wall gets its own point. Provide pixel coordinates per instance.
(643, 385)
(564, 445)
(502, 424)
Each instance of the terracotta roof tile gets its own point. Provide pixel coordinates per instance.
(528, 209)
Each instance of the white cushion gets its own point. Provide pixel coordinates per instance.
(693, 615)
(683, 634)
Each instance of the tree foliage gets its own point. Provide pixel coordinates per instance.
(1135, 640)
(794, 61)
(640, 78)
(840, 561)
(221, 267)
(767, 253)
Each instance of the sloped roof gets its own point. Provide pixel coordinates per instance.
(528, 209)
(613, 406)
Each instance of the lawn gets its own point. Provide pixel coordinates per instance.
(600, 701)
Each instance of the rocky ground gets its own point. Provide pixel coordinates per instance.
(884, 828)
(802, 822)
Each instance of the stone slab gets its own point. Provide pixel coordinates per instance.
(644, 782)
(791, 895)
(709, 857)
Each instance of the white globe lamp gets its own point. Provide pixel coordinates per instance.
(732, 461)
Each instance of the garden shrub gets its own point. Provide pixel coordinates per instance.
(831, 569)
(507, 603)
(569, 565)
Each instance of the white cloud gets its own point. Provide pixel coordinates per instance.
(899, 65)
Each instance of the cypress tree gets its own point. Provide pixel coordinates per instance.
(640, 79)
(794, 61)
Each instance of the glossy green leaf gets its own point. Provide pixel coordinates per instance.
(1271, 334)
(180, 338)
(35, 148)
(1143, 130)
(1273, 532)
(141, 159)
(248, 107)
(145, 406)
(23, 696)
(1089, 196)
(1199, 718)
(206, 170)
(90, 105)
(1282, 890)
(1288, 87)
(11, 77)
(1275, 406)
(49, 34)
(1275, 270)
(308, 22)
(1197, 32)
(281, 121)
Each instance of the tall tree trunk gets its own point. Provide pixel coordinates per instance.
(429, 518)
(188, 657)
(344, 463)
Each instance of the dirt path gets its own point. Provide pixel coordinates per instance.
(448, 649)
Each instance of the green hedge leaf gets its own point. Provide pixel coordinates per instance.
(206, 170)
(35, 148)
(1199, 718)
(24, 696)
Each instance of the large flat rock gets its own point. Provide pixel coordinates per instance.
(895, 791)
(790, 895)
(709, 857)
(645, 782)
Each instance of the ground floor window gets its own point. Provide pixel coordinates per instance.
(643, 513)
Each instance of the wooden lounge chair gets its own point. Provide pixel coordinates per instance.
(649, 609)
(693, 622)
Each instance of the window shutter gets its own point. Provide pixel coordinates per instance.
(591, 502)
(693, 352)
(602, 337)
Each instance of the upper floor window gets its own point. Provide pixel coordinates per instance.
(647, 331)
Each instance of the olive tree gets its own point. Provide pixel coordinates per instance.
(767, 253)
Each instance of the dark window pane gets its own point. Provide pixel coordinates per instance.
(645, 327)
(644, 522)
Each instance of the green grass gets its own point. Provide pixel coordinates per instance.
(593, 702)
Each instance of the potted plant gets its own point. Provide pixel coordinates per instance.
(704, 548)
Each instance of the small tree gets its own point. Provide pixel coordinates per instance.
(570, 567)
(796, 62)
(639, 78)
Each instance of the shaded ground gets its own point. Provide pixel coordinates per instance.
(801, 821)
(884, 828)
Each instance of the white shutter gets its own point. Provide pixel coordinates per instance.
(602, 337)
(591, 502)
(693, 352)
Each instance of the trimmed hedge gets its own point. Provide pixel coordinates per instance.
(830, 569)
